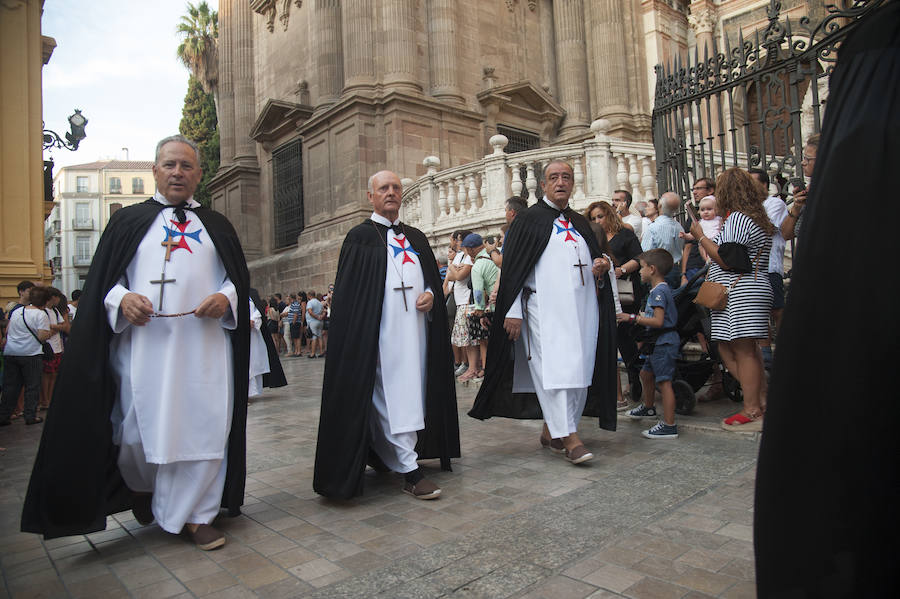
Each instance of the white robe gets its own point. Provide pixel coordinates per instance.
(399, 394)
(561, 329)
(259, 355)
(176, 373)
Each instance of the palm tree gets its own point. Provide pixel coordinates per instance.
(199, 29)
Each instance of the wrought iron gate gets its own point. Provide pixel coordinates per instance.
(752, 105)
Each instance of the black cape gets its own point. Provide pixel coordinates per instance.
(353, 331)
(275, 377)
(526, 240)
(76, 482)
(828, 478)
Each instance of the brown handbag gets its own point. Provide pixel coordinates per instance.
(714, 295)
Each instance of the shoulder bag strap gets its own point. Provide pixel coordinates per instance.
(25, 322)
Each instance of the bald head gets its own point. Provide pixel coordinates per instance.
(385, 194)
(668, 203)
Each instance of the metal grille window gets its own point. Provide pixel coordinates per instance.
(115, 185)
(137, 185)
(287, 188)
(519, 141)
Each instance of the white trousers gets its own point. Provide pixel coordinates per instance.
(562, 408)
(182, 491)
(397, 451)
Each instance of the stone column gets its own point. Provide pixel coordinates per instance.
(327, 41)
(609, 84)
(358, 27)
(244, 101)
(548, 46)
(703, 21)
(398, 19)
(571, 59)
(442, 34)
(226, 84)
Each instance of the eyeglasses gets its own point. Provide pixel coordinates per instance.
(805, 158)
(699, 187)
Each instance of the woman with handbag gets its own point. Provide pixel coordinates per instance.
(625, 248)
(26, 334)
(738, 273)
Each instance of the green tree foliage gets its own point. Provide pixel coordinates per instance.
(198, 122)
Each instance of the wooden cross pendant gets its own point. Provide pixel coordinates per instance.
(580, 268)
(162, 284)
(402, 289)
(170, 244)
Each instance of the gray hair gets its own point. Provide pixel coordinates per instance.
(556, 161)
(668, 203)
(180, 139)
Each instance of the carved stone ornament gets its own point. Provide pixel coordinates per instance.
(702, 19)
(266, 8)
(510, 4)
(285, 13)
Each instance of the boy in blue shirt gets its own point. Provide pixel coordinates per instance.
(659, 366)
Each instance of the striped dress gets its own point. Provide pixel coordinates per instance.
(749, 301)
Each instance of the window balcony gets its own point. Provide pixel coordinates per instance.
(86, 224)
(81, 260)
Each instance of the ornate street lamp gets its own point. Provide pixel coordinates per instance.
(77, 123)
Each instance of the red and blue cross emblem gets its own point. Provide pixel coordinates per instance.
(404, 248)
(181, 231)
(565, 226)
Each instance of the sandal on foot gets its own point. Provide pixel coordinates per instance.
(579, 454)
(35, 420)
(554, 445)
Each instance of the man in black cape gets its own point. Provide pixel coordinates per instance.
(526, 241)
(350, 389)
(828, 477)
(76, 480)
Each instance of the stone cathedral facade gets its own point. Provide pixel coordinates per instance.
(314, 96)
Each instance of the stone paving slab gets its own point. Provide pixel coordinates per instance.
(644, 519)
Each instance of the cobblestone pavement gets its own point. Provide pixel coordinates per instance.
(643, 519)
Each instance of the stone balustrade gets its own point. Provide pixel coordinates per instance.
(472, 196)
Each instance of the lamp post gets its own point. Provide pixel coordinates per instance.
(77, 123)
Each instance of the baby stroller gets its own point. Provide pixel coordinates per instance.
(690, 374)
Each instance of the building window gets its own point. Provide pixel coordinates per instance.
(114, 207)
(82, 215)
(287, 179)
(115, 185)
(137, 185)
(82, 251)
(81, 184)
(519, 141)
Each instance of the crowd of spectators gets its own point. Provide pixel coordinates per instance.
(299, 326)
(736, 209)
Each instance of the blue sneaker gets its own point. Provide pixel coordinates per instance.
(662, 431)
(641, 411)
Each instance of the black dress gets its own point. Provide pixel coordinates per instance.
(625, 246)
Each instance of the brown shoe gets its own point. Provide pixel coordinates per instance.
(206, 537)
(140, 508)
(554, 445)
(424, 489)
(579, 454)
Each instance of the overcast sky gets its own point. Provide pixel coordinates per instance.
(115, 60)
